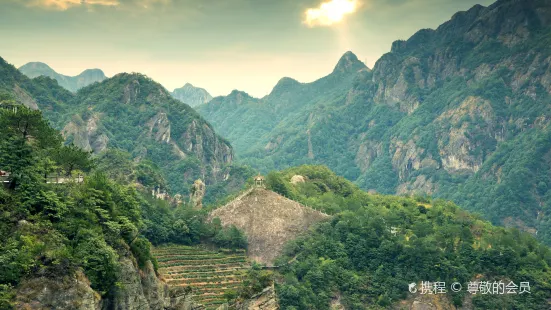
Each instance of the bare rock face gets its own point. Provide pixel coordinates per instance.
(201, 140)
(198, 191)
(66, 293)
(130, 295)
(23, 97)
(265, 300)
(418, 305)
(298, 179)
(85, 135)
(140, 290)
(455, 146)
(159, 127)
(268, 219)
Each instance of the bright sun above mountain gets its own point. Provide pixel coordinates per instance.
(330, 13)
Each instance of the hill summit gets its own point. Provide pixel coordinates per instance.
(191, 95)
(349, 62)
(268, 219)
(71, 83)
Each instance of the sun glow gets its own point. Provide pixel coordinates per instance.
(330, 13)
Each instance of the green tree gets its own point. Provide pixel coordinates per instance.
(71, 158)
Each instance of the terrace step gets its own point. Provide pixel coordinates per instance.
(208, 273)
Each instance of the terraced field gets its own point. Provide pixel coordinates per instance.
(209, 274)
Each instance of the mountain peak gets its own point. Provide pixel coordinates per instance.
(94, 71)
(349, 62)
(285, 84)
(71, 83)
(34, 69)
(193, 96)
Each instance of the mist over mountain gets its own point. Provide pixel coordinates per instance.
(71, 83)
(459, 112)
(191, 95)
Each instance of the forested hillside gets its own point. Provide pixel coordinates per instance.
(460, 112)
(99, 230)
(375, 245)
(133, 113)
(65, 215)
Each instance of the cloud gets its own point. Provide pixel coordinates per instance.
(63, 5)
(329, 13)
(66, 4)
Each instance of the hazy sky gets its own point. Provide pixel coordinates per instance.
(220, 45)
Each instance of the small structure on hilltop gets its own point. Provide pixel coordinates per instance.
(259, 181)
(198, 190)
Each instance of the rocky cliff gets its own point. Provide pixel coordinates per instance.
(132, 112)
(139, 289)
(265, 300)
(458, 112)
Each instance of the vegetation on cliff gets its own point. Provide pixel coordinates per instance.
(133, 113)
(375, 245)
(54, 227)
(459, 112)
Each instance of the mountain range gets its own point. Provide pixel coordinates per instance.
(460, 112)
(189, 94)
(71, 83)
(133, 113)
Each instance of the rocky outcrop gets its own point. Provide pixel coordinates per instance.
(85, 134)
(265, 300)
(23, 97)
(64, 293)
(159, 127)
(139, 290)
(201, 140)
(197, 194)
(296, 179)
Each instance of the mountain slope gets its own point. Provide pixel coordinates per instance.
(251, 123)
(374, 246)
(459, 112)
(71, 83)
(42, 93)
(193, 96)
(133, 113)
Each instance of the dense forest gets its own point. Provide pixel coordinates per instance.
(368, 253)
(375, 245)
(50, 229)
(133, 113)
